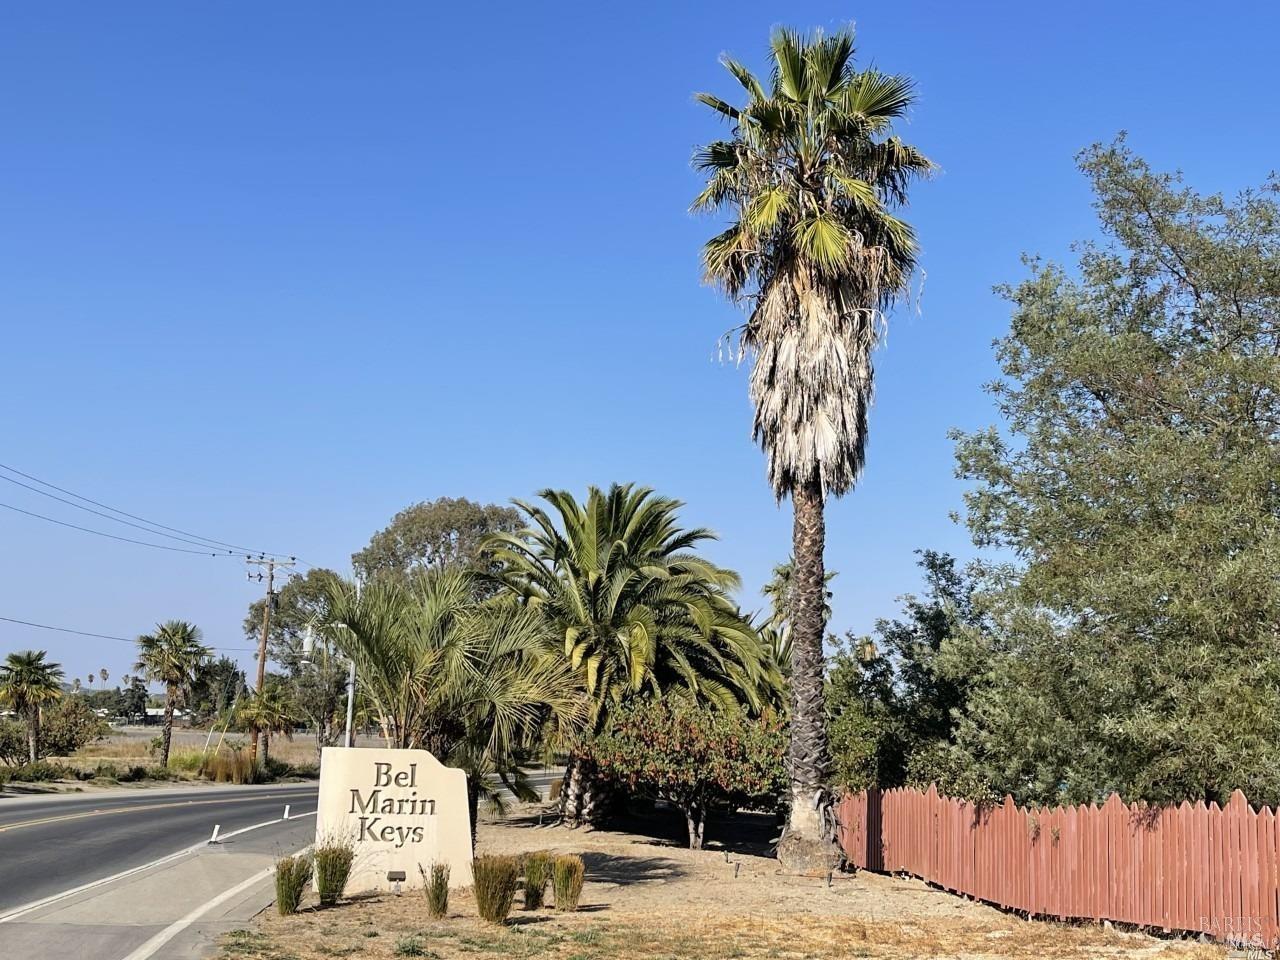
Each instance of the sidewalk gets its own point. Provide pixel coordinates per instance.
(186, 903)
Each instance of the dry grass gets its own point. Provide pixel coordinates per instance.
(373, 928)
(133, 746)
(648, 901)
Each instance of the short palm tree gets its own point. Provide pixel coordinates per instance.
(171, 655)
(633, 609)
(466, 678)
(269, 711)
(810, 173)
(27, 682)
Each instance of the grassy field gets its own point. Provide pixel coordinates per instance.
(130, 756)
(132, 745)
(650, 900)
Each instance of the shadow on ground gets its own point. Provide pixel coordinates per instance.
(753, 834)
(624, 871)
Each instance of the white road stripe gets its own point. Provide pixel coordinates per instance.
(26, 908)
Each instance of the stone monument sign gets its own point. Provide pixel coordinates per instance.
(400, 808)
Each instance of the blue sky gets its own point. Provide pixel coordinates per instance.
(271, 272)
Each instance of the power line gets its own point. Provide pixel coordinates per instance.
(112, 536)
(101, 636)
(99, 513)
(82, 633)
(131, 516)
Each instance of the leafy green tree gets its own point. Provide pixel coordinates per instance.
(133, 703)
(68, 724)
(172, 655)
(1133, 641)
(28, 683)
(318, 691)
(448, 531)
(215, 687)
(295, 606)
(809, 174)
(470, 680)
(13, 743)
(318, 682)
(866, 742)
(892, 707)
(693, 757)
(630, 608)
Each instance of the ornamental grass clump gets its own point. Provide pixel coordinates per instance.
(496, 879)
(435, 883)
(537, 872)
(568, 876)
(292, 876)
(333, 859)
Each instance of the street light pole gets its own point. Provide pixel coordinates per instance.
(349, 740)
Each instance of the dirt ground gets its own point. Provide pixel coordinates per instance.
(648, 898)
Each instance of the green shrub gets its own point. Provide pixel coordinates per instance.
(40, 771)
(292, 876)
(496, 879)
(569, 873)
(435, 883)
(333, 859)
(192, 761)
(411, 946)
(537, 871)
(275, 769)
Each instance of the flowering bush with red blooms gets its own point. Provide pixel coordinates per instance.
(693, 757)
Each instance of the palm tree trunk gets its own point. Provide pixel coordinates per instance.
(266, 746)
(33, 735)
(473, 808)
(807, 845)
(166, 737)
(584, 797)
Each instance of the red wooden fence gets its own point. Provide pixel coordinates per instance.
(1211, 869)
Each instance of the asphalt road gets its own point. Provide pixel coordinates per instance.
(51, 844)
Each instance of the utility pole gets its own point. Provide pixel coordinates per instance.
(270, 563)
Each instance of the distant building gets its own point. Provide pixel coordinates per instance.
(156, 715)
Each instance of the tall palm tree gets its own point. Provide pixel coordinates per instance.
(810, 173)
(633, 610)
(27, 682)
(468, 679)
(75, 685)
(171, 655)
(105, 676)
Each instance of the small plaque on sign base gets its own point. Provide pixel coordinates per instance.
(401, 809)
